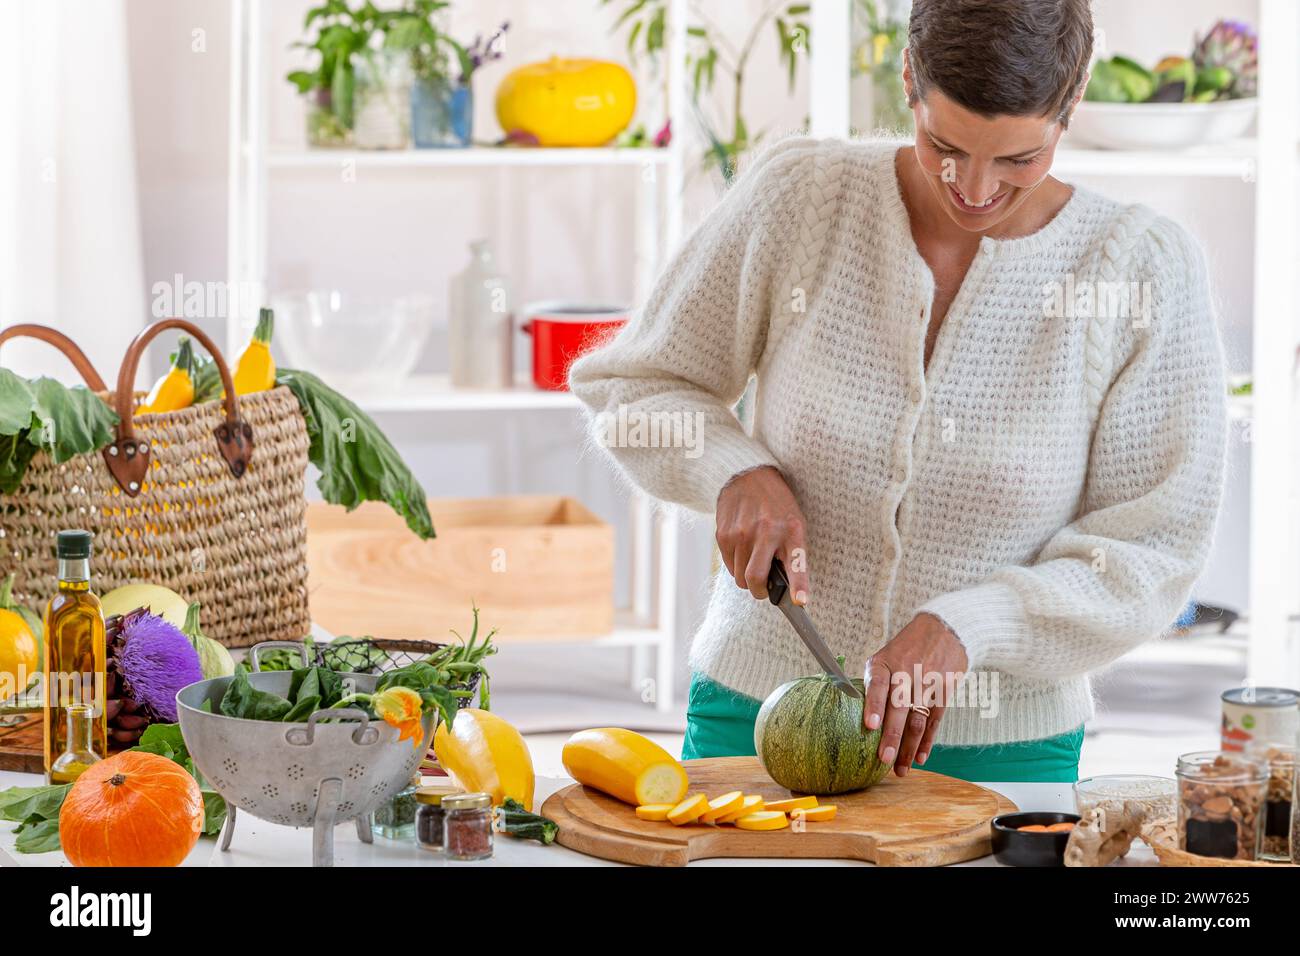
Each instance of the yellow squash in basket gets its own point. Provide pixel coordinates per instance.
(486, 755)
(564, 102)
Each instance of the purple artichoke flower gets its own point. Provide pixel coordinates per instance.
(156, 660)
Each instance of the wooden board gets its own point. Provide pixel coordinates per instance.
(923, 819)
(22, 746)
(369, 575)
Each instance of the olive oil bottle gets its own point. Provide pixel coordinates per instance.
(74, 651)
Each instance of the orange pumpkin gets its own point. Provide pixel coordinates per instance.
(133, 809)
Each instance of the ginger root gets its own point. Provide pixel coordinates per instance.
(1104, 833)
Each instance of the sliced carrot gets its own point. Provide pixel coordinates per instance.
(817, 814)
(792, 803)
(1060, 827)
(721, 806)
(764, 820)
(689, 810)
(654, 811)
(1033, 828)
(752, 804)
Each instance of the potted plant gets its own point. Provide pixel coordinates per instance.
(341, 32)
(442, 102)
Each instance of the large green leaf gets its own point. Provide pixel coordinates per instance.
(356, 460)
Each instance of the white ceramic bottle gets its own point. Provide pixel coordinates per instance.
(480, 323)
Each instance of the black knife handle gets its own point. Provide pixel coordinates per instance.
(777, 582)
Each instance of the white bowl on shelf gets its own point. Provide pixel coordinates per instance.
(1159, 125)
(360, 343)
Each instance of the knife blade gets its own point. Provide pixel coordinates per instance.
(778, 592)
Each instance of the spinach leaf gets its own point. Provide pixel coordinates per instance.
(304, 708)
(38, 836)
(19, 804)
(244, 700)
(214, 812)
(319, 682)
(356, 460)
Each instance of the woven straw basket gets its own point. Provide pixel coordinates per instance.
(208, 501)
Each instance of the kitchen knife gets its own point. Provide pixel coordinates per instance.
(778, 592)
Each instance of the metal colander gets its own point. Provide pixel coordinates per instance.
(338, 766)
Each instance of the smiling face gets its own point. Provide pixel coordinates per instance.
(981, 170)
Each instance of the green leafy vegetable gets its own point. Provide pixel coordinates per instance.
(356, 460)
(19, 804)
(45, 415)
(246, 702)
(40, 836)
(513, 819)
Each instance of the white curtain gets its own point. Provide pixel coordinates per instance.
(70, 252)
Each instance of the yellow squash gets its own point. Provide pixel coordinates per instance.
(486, 755)
(563, 102)
(624, 765)
(255, 370)
(175, 390)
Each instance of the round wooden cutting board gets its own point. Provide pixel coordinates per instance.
(923, 819)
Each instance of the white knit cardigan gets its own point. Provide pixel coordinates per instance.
(1048, 487)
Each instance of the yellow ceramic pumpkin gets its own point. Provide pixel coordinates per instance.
(567, 102)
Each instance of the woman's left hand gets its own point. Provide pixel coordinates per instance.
(927, 647)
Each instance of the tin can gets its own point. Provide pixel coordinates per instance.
(1259, 715)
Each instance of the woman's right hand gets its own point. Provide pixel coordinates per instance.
(758, 518)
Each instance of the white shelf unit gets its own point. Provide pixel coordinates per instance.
(648, 624)
(1269, 162)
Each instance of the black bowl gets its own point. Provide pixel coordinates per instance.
(1016, 848)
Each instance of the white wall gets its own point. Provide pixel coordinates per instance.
(560, 233)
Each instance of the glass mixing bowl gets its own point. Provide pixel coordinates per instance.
(363, 343)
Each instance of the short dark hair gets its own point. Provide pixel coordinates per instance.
(1001, 57)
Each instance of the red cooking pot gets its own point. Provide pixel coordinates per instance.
(561, 332)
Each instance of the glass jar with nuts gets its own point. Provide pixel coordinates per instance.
(1275, 844)
(1221, 800)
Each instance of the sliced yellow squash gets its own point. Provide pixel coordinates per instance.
(654, 811)
(721, 806)
(764, 820)
(624, 765)
(793, 803)
(822, 812)
(689, 810)
(751, 804)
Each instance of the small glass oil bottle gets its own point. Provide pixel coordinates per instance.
(80, 753)
(74, 651)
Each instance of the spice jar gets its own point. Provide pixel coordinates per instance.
(1275, 844)
(395, 819)
(468, 826)
(429, 816)
(1221, 804)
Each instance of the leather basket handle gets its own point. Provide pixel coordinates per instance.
(127, 457)
(64, 344)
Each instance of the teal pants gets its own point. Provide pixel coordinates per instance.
(720, 723)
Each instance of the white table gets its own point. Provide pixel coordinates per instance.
(258, 843)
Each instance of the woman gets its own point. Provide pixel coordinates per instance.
(990, 419)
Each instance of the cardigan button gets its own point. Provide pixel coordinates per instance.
(916, 396)
(900, 474)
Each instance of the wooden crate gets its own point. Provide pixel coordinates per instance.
(538, 567)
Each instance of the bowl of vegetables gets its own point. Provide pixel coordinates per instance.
(1181, 101)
